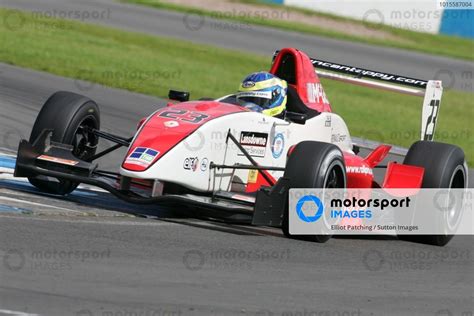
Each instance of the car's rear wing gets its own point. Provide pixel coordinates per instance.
(431, 90)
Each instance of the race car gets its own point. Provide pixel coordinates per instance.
(233, 163)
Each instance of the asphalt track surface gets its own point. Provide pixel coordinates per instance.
(90, 254)
(262, 40)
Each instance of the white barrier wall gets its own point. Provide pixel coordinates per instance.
(416, 15)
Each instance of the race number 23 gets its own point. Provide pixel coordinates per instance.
(184, 115)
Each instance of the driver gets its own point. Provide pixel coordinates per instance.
(265, 93)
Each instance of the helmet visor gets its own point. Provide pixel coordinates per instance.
(261, 98)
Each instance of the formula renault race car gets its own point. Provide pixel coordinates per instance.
(236, 164)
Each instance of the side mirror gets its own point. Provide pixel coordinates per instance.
(181, 96)
(298, 118)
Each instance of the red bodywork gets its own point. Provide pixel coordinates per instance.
(162, 125)
(304, 80)
(359, 171)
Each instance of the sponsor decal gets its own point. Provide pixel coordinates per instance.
(204, 164)
(248, 84)
(367, 73)
(338, 138)
(58, 160)
(253, 175)
(256, 94)
(191, 163)
(142, 156)
(328, 122)
(278, 145)
(316, 93)
(171, 124)
(359, 170)
(254, 143)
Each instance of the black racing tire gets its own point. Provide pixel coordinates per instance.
(445, 167)
(64, 112)
(313, 165)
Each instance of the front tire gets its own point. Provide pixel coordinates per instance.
(445, 167)
(313, 165)
(68, 115)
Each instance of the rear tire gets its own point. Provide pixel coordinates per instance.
(313, 165)
(66, 113)
(445, 167)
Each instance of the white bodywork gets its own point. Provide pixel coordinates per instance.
(208, 145)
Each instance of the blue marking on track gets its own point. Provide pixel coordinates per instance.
(7, 162)
(13, 209)
(80, 192)
(16, 183)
